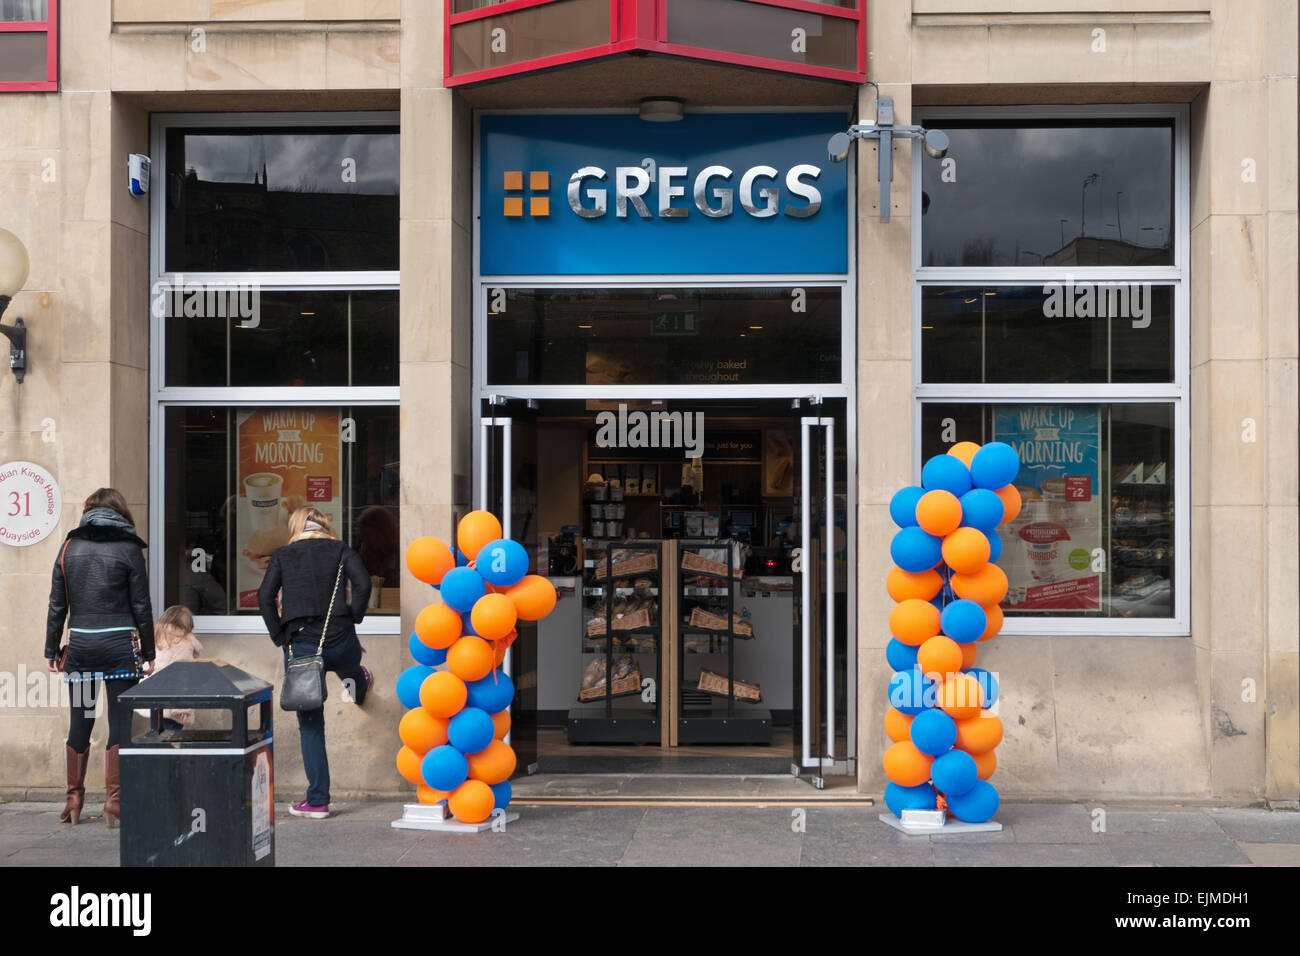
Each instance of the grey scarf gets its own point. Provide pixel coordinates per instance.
(106, 517)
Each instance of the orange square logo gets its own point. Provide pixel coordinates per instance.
(539, 182)
(539, 206)
(514, 207)
(514, 181)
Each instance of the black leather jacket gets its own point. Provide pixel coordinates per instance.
(303, 573)
(102, 573)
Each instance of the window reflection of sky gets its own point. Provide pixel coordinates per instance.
(298, 162)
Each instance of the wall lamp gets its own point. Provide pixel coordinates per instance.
(14, 266)
(884, 130)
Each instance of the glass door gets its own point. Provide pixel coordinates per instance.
(506, 485)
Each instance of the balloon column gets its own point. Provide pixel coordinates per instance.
(948, 591)
(457, 695)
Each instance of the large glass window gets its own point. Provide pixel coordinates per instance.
(1051, 314)
(663, 336)
(276, 387)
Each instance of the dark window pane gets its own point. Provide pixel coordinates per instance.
(1055, 332)
(291, 338)
(12, 11)
(281, 200)
(233, 475)
(665, 337)
(22, 57)
(1051, 194)
(529, 34)
(1095, 534)
(759, 30)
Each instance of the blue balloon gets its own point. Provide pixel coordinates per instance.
(946, 473)
(899, 798)
(901, 657)
(444, 768)
(937, 601)
(964, 621)
(995, 544)
(915, 551)
(994, 466)
(471, 730)
(461, 587)
(493, 693)
(902, 507)
(461, 560)
(933, 732)
(954, 773)
(976, 805)
(988, 684)
(408, 684)
(466, 625)
(426, 655)
(501, 794)
(981, 508)
(910, 691)
(504, 561)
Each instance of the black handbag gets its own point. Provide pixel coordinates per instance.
(304, 677)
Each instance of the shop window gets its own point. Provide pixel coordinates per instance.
(1051, 313)
(677, 336)
(29, 45)
(281, 199)
(275, 326)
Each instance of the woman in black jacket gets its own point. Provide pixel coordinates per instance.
(101, 587)
(304, 572)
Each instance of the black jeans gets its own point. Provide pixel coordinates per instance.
(344, 659)
(83, 698)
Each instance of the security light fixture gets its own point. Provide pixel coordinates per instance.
(661, 109)
(883, 130)
(14, 266)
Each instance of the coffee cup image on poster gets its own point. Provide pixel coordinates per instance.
(1048, 550)
(288, 457)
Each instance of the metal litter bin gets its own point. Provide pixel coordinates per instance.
(202, 795)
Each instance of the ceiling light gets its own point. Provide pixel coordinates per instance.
(661, 109)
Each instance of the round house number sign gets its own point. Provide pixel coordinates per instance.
(30, 503)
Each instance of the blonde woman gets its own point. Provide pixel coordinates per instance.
(303, 573)
(174, 640)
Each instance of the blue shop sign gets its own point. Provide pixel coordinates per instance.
(611, 194)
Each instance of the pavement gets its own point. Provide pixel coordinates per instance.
(598, 820)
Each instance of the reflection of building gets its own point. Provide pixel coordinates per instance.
(1094, 250)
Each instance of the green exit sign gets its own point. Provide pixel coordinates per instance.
(673, 323)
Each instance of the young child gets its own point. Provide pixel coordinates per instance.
(174, 640)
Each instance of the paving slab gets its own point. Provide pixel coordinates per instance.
(1155, 826)
(1163, 853)
(723, 836)
(1028, 854)
(542, 836)
(1272, 854)
(1258, 826)
(1055, 823)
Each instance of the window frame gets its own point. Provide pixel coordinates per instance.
(163, 396)
(1176, 392)
(50, 27)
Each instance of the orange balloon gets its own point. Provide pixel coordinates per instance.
(964, 451)
(902, 585)
(501, 721)
(408, 765)
(493, 764)
(979, 735)
(421, 731)
(437, 626)
(907, 766)
(961, 696)
(898, 725)
(986, 587)
(985, 764)
(939, 655)
(914, 621)
(966, 550)
(427, 795)
(475, 531)
(470, 658)
(1011, 502)
(493, 616)
(994, 615)
(968, 654)
(429, 559)
(533, 596)
(443, 694)
(471, 802)
(938, 513)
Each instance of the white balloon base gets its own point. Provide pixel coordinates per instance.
(424, 816)
(932, 823)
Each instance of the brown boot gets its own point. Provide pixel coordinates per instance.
(76, 784)
(112, 788)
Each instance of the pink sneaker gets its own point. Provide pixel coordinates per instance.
(305, 809)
